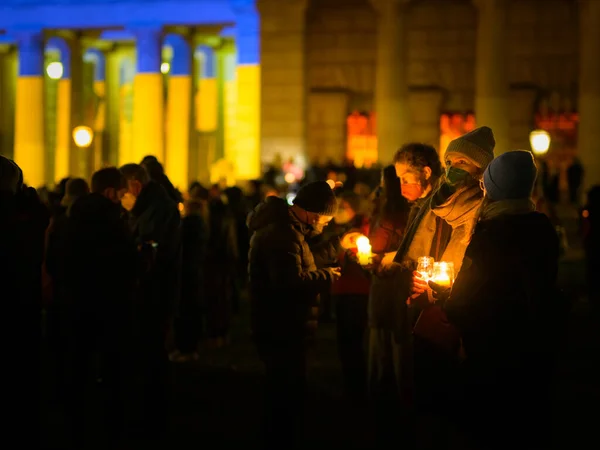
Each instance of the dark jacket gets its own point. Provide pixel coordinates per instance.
(99, 260)
(354, 280)
(155, 218)
(284, 280)
(504, 301)
(194, 233)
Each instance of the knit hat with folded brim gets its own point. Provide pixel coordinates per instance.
(511, 176)
(317, 197)
(477, 146)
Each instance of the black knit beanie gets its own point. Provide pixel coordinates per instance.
(317, 197)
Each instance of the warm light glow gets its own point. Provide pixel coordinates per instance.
(165, 68)
(331, 184)
(425, 267)
(55, 70)
(364, 250)
(540, 141)
(289, 178)
(443, 273)
(83, 136)
(180, 206)
(585, 214)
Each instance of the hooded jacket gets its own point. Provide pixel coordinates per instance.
(284, 280)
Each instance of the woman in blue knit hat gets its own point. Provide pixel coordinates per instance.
(504, 305)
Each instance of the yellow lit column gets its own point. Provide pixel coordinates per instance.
(97, 58)
(247, 151)
(391, 89)
(206, 106)
(229, 101)
(178, 113)
(589, 92)
(63, 107)
(30, 152)
(492, 97)
(148, 101)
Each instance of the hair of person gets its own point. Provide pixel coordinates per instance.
(107, 178)
(135, 172)
(419, 156)
(392, 201)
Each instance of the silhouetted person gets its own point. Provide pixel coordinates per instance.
(154, 221)
(575, 174)
(591, 244)
(284, 291)
(157, 173)
(99, 269)
(23, 221)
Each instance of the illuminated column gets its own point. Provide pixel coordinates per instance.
(206, 111)
(247, 151)
(229, 101)
(283, 99)
(588, 141)
(63, 110)
(99, 125)
(30, 152)
(126, 110)
(148, 103)
(178, 112)
(391, 89)
(492, 96)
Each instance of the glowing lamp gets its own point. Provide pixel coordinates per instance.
(55, 70)
(364, 250)
(83, 136)
(289, 178)
(540, 142)
(165, 68)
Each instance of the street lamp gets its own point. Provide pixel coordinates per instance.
(540, 142)
(83, 136)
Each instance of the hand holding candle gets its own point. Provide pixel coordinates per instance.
(364, 251)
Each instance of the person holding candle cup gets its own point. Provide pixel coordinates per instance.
(440, 228)
(285, 284)
(507, 309)
(405, 185)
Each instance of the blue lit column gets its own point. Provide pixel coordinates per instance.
(247, 151)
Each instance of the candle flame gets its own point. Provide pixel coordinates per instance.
(363, 245)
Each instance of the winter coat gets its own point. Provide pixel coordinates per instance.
(284, 280)
(194, 233)
(504, 301)
(155, 217)
(99, 260)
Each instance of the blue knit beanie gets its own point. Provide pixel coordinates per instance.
(510, 176)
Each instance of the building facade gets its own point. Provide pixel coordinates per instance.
(251, 81)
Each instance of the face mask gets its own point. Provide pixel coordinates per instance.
(456, 176)
(128, 201)
(411, 192)
(342, 217)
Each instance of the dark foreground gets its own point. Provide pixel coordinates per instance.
(217, 401)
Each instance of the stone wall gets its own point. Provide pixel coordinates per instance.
(543, 59)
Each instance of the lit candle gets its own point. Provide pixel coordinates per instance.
(443, 273)
(364, 250)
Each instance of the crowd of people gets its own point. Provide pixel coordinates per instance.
(132, 274)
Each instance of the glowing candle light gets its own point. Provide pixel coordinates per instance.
(425, 267)
(443, 273)
(364, 250)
